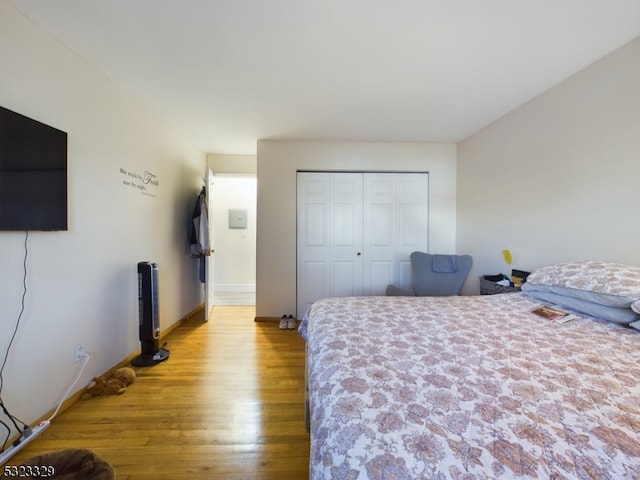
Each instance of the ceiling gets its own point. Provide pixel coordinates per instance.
(229, 72)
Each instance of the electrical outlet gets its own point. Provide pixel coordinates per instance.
(79, 352)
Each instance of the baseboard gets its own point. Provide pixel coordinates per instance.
(234, 288)
(126, 362)
(198, 311)
(266, 319)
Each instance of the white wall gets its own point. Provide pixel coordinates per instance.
(234, 164)
(557, 179)
(82, 284)
(278, 162)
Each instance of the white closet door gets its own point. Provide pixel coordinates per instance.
(395, 224)
(346, 234)
(329, 237)
(355, 232)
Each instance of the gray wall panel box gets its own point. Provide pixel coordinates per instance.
(237, 218)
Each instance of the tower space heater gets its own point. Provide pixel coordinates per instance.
(149, 329)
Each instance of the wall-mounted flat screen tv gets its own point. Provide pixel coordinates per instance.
(33, 174)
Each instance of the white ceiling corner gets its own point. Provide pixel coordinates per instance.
(229, 72)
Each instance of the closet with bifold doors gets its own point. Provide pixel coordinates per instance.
(355, 231)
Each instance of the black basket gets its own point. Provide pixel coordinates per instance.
(487, 287)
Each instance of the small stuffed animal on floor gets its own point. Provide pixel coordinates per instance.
(116, 384)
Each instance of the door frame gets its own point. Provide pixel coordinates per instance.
(209, 290)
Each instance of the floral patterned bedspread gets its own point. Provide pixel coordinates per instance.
(469, 388)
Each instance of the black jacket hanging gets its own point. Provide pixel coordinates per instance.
(199, 244)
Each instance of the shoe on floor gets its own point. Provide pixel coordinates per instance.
(291, 323)
(283, 322)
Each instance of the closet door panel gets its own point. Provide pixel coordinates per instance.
(316, 288)
(329, 231)
(346, 234)
(313, 268)
(356, 232)
(405, 273)
(409, 228)
(346, 279)
(379, 274)
(412, 222)
(412, 211)
(379, 225)
(395, 224)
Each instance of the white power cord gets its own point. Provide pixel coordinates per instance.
(30, 433)
(75, 380)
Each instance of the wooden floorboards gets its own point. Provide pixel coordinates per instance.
(228, 404)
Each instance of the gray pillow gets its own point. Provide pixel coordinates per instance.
(613, 314)
(606, 299)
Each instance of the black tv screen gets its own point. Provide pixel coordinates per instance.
(33, 174)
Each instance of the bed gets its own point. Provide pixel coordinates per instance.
(479, 387)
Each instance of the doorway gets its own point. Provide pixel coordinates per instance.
(234, 277)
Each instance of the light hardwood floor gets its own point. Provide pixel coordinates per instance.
(228, 404)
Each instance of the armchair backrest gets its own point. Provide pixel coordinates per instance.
(437, 275)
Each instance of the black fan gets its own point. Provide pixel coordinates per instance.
(149, 330)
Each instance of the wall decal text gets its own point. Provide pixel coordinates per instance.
(147, 183)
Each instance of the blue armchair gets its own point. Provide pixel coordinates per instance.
(435, 275)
